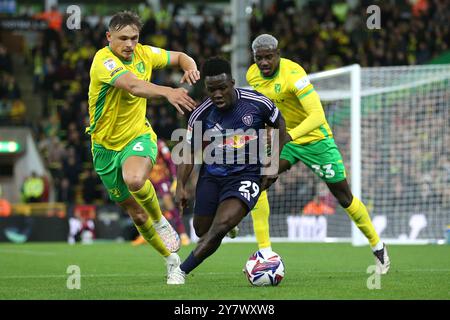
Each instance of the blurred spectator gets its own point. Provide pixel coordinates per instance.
(5, 205)
(81, 225)
(337, 31)
(91, 184)
(319, 35)
(11, 105)
(33, 188)
(9, 89)
(53, 17)
(317, 207)
(5, 60)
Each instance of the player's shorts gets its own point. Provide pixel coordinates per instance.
(162, 187)
(322, 157)
(212, 190)
(108, 164)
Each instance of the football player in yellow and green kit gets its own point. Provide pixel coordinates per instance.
(309, 140)
(124, 145)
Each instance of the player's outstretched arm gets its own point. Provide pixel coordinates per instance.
(187, 64)
(177, 97)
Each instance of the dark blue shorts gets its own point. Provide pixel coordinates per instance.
(212, 190)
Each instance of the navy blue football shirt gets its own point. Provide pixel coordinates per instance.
(230, 138)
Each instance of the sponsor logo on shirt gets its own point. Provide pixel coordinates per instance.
(302, 83)
(115, 71)
(110, 64)
(217, 128)
(237, 141)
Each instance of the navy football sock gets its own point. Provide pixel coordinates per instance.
(190, 263)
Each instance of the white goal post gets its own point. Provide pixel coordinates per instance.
(392, 127)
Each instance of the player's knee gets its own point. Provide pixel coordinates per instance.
(200, 232)
(134, 182)
(199, 229)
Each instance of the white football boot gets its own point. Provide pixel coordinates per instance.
(177, 276)
(382, 260)
(168, 235)
(173, 261)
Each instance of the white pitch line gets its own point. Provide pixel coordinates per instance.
(35, 253)
(111, 275)
(44, 276)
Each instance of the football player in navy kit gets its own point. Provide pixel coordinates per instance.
(226, 191)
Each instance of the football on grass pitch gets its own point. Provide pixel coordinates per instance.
(264, 271)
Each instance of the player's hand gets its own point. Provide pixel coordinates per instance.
(287, 138)
(180, 99)
(268, 180)
(181, 196)
(190, 76)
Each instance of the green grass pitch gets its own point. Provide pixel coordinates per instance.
(313, 271)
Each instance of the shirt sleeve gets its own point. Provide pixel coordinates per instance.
(309, 101)
(247, 76)
(316, 116)
(270, 111)
(299, 82)
(107, 69)
(159, 57)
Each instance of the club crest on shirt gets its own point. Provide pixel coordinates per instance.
(140, 67)
(247, 120)
(277, 87)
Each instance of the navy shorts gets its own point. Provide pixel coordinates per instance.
(212, 190)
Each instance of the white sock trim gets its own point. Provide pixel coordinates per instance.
(171, 256)
(161, 222)
(378, 246)
(266, 250)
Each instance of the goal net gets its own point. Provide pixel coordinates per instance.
(392, 126)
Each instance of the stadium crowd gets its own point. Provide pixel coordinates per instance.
(12, 108)
(318, 35)
(61, 63)
(324, 35)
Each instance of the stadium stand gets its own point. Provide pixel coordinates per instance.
(320, 36)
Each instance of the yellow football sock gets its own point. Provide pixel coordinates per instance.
(147, 199)
(149, 233)
(260, 217)
(359, 214)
